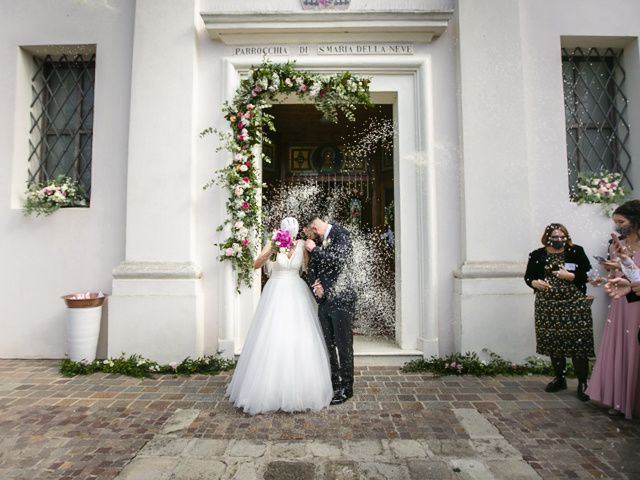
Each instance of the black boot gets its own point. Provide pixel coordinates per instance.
(581, 366)
(560, 368)
(582, 388)
(558, 383)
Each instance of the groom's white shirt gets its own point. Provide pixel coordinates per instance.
(326, 234)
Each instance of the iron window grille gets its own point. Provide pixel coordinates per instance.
(61, 131)
(595, 108)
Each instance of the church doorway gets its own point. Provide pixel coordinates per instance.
(345, 171)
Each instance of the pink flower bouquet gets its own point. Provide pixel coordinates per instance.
(281, 241)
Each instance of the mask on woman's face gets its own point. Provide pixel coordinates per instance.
(624, 230)
(557, 244)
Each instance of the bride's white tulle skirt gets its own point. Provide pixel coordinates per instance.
(284, 363)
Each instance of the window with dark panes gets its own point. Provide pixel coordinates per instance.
(595, 112)
(61, 126)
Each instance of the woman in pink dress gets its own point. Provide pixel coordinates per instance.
(615, 380)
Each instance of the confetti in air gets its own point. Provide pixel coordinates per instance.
(370, 269)
(341, 197)
(362, 144)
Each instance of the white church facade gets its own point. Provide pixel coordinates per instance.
(482, 159)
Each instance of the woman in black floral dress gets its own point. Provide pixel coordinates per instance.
(558, 274)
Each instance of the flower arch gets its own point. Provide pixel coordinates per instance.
(247, 115)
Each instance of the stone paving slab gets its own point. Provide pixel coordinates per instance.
(355, 459)
(400, 426)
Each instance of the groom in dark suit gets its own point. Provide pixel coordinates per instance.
(328, 277)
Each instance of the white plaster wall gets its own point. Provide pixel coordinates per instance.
(522, 120)
(73, 249)
(490, 301)
(513, 146)
(160, 231)
(544, 23)
(492, 135)
(444, 152)
(441, 152)
(209, 209)
(159, 219)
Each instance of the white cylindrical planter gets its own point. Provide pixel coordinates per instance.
(83, 327)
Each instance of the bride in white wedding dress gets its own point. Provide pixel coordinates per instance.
(284, 363)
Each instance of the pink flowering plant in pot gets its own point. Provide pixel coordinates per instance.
(603, 187)
(46, 197)
(248, 114)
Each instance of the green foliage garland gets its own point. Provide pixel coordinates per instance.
(470, 364)
(137, 366)
(248, 115)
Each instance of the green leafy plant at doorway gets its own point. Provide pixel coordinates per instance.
(248, 116)
(470, 364)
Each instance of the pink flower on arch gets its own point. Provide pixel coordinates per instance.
(245, 205)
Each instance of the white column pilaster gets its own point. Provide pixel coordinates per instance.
(491, 295)
(156, 308)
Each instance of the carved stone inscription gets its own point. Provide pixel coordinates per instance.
(326, 49)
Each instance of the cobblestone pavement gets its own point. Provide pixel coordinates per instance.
(398, 426)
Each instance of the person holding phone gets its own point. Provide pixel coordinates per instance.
(615, 381)
(629, 285)
(557, 273)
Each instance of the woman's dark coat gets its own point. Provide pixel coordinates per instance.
(573, 256)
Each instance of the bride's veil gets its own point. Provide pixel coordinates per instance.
(290, 224)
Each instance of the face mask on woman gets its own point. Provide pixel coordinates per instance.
(557, 244)
(624, 230)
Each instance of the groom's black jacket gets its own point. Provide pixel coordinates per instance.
(328, 263)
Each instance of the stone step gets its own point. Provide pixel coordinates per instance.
(381, 351)
(372, 351)
(363, 359)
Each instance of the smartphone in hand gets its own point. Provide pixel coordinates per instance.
(599, 258)
(616, 244)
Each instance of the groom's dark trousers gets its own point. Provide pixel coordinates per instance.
(336, 322)
(336, 308)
